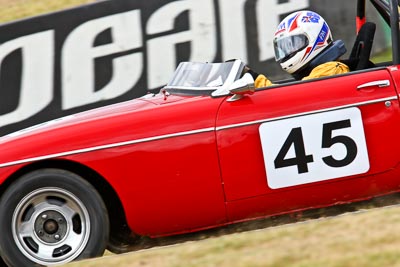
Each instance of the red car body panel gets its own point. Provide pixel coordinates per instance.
(246, 186)
(147, 176)
(180, 164)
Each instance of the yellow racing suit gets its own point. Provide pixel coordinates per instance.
(323, 70)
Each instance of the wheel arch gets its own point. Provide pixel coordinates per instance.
(121, 236)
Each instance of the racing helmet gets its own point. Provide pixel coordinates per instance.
(300, 38)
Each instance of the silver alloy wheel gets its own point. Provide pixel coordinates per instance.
(51, 226)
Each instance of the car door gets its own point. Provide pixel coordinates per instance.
(309, 144)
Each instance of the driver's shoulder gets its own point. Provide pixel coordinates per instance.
(328, 69)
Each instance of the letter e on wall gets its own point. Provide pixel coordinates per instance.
(79, 54)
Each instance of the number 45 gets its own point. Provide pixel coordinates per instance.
(301, 159)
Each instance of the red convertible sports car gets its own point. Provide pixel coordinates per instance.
(207, 151)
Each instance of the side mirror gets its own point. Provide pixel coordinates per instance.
(241, 87)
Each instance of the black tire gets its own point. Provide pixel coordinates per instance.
(51, 216)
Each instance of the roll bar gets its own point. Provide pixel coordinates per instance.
(360, 19)
(394, 26)
(389, 10)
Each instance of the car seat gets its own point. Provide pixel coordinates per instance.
(360, 54)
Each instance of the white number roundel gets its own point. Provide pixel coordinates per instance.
(314, 148)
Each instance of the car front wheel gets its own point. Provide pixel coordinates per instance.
(50, 217)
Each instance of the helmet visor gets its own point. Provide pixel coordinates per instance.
(287, 47)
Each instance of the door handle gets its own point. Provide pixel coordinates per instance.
(381, 83)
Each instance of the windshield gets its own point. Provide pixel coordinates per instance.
(204, 78)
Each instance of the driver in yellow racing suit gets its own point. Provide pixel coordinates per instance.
(305, 49)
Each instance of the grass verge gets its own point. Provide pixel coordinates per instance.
(17, 9)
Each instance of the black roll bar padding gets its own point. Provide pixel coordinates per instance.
(361, 9)
(394, 26)
(360, 18)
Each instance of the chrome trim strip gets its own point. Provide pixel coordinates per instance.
(305, 113)
(90, 149)
(204, 130)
